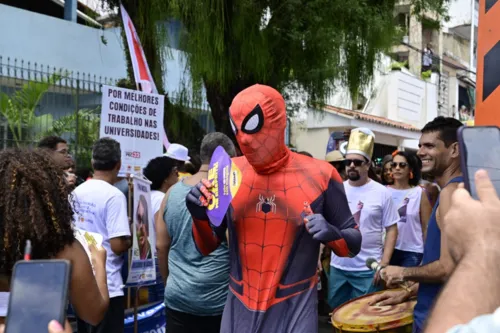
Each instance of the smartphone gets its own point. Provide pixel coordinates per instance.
(38, 294)
(479, 149)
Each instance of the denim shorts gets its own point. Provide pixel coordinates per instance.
(406, 258)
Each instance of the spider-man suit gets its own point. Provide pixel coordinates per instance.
(273, 240)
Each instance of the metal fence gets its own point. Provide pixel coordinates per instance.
(38, 100)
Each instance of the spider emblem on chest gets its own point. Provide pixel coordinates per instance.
(266, 205)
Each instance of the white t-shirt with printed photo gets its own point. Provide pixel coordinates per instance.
(373, 210)
(156, 200)
(407, 202)
(102, 208)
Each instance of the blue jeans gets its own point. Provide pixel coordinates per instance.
(346, 285)
(406, 258)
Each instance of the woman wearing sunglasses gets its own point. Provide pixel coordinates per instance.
(413, 206)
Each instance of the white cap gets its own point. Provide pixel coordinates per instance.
(177, 152)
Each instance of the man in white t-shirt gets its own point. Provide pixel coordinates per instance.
(162, 172)
(100, 207)
(372, 207)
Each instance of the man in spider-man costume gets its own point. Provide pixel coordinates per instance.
(286, 206)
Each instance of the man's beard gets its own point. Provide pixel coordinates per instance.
(353, 175)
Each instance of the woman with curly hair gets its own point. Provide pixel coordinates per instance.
(34, 206)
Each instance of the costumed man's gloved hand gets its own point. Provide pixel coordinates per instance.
(197, 202)
(198, 199)
(320, 229)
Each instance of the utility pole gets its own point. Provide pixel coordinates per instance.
(488, 68)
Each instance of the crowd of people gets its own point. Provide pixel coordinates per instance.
(295, 220)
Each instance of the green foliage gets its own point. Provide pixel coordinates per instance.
(311, 42)
(19, 110)
(397, 66)
(307, 44)
(428, 23)
(426, 75)
(182, 126)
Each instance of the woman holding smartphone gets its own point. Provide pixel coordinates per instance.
(34, 206)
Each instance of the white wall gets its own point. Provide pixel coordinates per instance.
(342, 99)
(460, 13)
(408, 99)
(58, 43)
(54, 42)
(313, 140)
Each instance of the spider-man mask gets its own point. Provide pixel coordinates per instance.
(258, 119)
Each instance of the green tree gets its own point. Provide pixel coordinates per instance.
(306, 45)
(19, 110)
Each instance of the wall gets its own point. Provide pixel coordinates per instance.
(460, 13)
(58, 43)
(415, 57)
(342, 99)
(313, 140)
(405, 98)
(456, 47)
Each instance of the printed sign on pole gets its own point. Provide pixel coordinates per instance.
(135, 120)
(142, 269)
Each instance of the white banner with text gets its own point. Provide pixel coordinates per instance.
(135, 120)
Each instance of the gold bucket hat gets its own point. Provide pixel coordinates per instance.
(361, 142)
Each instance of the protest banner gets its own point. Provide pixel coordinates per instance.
(142, 268)
(225, 177)
(135, 120)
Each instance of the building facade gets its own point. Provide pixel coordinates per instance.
(430, 73)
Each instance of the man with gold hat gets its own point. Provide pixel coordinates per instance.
(372, 207)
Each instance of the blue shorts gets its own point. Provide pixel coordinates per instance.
(346, 285)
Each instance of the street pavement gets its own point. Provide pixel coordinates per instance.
(324, 327)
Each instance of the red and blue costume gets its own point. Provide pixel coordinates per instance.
(274, 237)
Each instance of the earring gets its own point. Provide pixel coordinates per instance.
(411, 174)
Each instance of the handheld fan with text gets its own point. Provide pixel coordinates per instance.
(225, 177)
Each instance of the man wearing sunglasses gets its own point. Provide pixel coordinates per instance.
(372, 208)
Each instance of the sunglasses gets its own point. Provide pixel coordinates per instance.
(356, 163)
(402, 165)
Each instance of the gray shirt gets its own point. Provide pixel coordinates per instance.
(196, 284)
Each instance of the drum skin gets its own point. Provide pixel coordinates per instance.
(357, 316)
